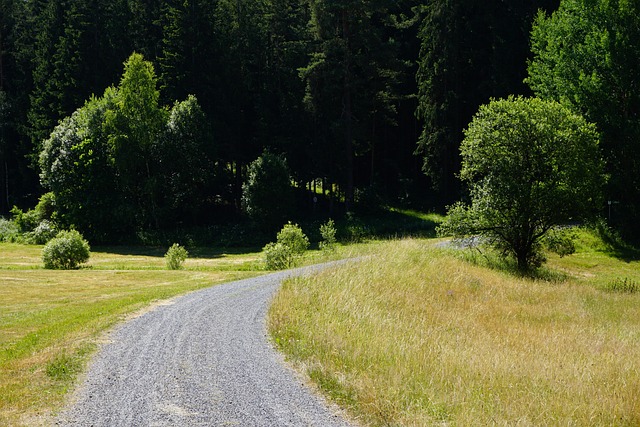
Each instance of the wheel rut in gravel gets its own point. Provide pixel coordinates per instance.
(203, 360)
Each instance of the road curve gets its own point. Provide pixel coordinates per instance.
(202, 360)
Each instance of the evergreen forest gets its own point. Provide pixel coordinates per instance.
(156, 114)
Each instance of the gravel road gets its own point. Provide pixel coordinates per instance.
(200, 360)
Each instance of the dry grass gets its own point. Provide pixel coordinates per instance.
(50, 321)
(414, 337)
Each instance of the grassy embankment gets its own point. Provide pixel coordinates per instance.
(418, 336)
(51, 321)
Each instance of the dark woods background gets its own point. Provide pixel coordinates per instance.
(361, 97)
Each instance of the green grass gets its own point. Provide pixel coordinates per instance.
(415, 336)
(51, 322)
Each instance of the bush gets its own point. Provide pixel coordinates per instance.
(276, 256)
(66, 251)
(328, 233)
(9, 231)
(291, 244)
(267, 194)
(44, 232)
(176, 256)
(560, 241)
(26, 221)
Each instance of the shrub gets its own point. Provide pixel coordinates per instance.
(26, 221)
(175, 257)
(9, 231)
(65, 251)
(44, 232)
(560, 241)
(328, 233)
(291, 244)
(267, 194)
(276, 256)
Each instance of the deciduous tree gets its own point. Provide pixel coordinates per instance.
(586, 56)
(530, 165)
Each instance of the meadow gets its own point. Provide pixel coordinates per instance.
(51, 322)
(420, 335)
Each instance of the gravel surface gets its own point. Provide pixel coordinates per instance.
(201, 360)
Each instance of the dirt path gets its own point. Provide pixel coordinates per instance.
(203, 360)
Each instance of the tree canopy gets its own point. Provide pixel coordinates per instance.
(530, 165)
(586, 56)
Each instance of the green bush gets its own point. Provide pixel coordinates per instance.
(267, 194)
(560, 241)
(276, 256)
(26, 221)
(65, 251)
(328, 233)
(176, 256)
(291, 244)
(9, 231)
(43, 232)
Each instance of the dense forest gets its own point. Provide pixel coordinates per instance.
(364, 101)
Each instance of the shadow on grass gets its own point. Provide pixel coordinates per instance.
(616, 247)
(159, 252)
(489, 258)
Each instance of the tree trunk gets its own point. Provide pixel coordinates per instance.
(349, 190)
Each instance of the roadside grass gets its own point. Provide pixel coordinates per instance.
(414, 336)
(51, 321)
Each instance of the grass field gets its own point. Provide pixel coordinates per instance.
(51, 321)
(417, 336)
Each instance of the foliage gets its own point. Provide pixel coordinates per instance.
(9, 231)
(44, 231)
(328, 233)
(276, 256)
(122, 162)
(585, 55)
(290, 245)
(26, 221)
(267, 194)
(175, 257)
(560, 241)
(530, 165)
(469, 51)
(625, 285)
(66, 251)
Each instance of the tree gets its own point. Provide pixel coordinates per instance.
(470, 52)
(182, 163)
(267, 194)
(530, 165)
(351, 80)
(134, 125)
(76, 165)
(586, 56)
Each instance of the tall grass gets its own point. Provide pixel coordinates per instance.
(416, 337)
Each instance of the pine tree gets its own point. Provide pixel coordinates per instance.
(470, 53)
(350, 79)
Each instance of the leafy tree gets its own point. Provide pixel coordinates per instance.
(133, 126)
(267, 194)
(76, 165)
(586, 56)
(182, 163)
(530, 165)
